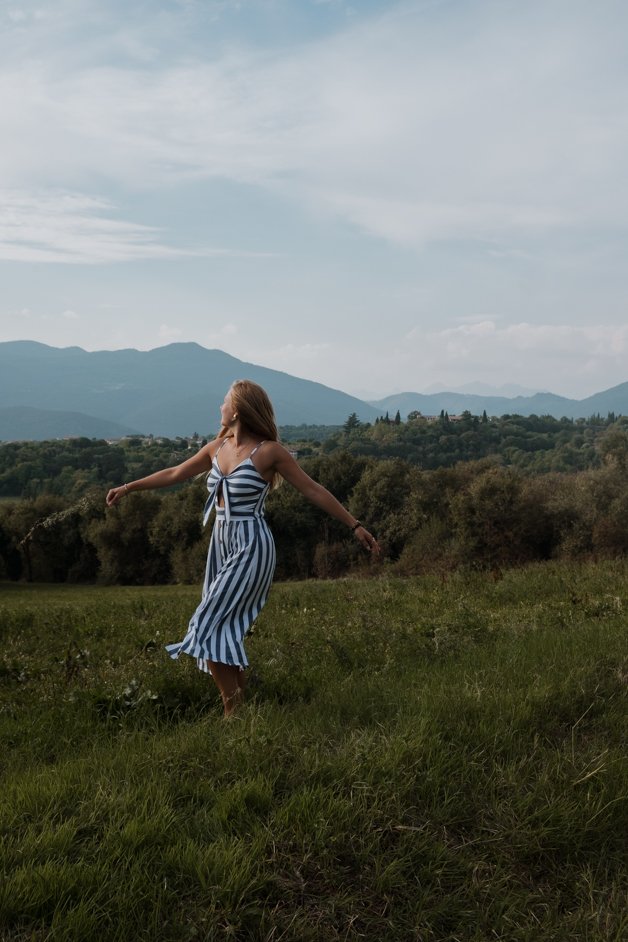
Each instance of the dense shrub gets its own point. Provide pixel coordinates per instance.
(477, 514)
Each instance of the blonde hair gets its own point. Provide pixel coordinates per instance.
(255, 411)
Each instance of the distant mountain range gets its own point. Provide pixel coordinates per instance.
(172, 390)
(611, 400)
(47, 392)
(22, 423)
(509, 390)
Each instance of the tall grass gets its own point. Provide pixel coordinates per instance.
(418, 760)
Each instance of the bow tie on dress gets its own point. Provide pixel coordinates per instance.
(222, 484)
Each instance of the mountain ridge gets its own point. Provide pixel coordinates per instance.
(177, 389)
(24, 423)
(614, 400)
(172, 390)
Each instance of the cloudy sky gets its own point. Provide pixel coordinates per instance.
(380, 196)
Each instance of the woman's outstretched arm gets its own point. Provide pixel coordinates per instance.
(284, 463)
(201, 461)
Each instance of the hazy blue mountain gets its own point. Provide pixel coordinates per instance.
(22, 423)
(611, 400)
(172, 390)
(507, 390)
(177, 390)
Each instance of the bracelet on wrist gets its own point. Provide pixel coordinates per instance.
(126, 488)
(355, 526)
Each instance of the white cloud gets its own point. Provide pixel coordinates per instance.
(287, 356)
(169, 334)
(555, 356)
(428, 123)
(491, 136)
(542, 339)
(71, 227)
(65, 227)
(320, 362)
(70, 315)
(415, 223)
(221, 337)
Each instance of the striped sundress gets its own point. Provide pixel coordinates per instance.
(240, 567)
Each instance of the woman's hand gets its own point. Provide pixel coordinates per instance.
(367, 540)
(114, 495)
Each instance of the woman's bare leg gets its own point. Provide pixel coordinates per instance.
(230, 682)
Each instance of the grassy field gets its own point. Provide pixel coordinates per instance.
(418, 760)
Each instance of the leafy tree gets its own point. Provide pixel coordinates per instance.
(122, 540)
(176, 532)
(352, 422)
(333, 559)
(47, 537)
(380, 498)
(610, 529)
(495, 521)
(294, 522)
(10, 559)
(613, 446)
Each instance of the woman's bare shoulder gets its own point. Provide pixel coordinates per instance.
(212, 447)
(275, 447)
(271, 454)
(206, 454)
(278, 451)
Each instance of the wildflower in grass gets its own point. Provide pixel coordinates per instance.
(45, 523)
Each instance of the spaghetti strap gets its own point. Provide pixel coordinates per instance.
(256, 447)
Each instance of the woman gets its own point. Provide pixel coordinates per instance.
(244, 462)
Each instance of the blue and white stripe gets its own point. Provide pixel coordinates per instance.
(239, 572)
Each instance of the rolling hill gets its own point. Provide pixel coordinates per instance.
(48, 392)
(611, 400)
(172, 390)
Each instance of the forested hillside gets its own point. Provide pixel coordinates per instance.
(532, 443)
(439, 495)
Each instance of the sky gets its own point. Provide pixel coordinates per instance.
(379, 196)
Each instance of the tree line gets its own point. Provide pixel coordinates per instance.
(483, 513)
(535, 444)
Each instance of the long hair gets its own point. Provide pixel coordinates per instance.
(256, 413)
